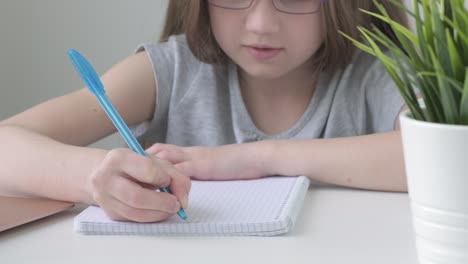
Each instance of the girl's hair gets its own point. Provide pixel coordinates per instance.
(191, 18)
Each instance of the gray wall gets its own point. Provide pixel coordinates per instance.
(35, 36)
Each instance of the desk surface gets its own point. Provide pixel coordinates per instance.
(336, 226)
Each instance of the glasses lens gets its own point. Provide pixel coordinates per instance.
(231, 4)
(298, 6)
(288, 6)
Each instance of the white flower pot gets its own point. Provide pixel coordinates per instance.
(436, 161)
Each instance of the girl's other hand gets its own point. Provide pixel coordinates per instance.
(227, 162)
(123, 186)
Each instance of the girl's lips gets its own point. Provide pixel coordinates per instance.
(263, 53)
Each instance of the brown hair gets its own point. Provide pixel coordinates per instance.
(191, 18)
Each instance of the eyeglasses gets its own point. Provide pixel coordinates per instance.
(297, 7)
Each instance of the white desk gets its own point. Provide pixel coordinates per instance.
(335, 226)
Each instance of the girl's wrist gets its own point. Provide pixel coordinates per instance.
(86, 188)
(266, 155)
(280, 157)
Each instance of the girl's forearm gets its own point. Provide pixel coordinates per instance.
(35, 165)
(373, 162)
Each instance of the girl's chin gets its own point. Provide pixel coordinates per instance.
(263, 72)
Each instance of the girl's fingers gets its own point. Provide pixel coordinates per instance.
(173, 156)
(118, 210)
(180, 187)
(137, 197)
(171, 153)
(186, 168)
(143, 169)
(158, 147)
(124, 186)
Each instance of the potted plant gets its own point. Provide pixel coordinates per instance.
(429, 66)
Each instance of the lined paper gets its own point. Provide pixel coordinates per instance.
(267, 206)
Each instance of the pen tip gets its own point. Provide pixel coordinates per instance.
(182, 214)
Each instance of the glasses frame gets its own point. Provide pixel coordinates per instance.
(274, 4)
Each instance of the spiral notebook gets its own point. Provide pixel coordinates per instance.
(260, 207)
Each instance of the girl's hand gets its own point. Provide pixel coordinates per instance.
(227, 162)
(123, 186)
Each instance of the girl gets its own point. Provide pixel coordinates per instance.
(238, 89)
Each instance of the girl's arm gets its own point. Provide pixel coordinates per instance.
(373, 162)
(40, 143)
(78, 119)
(43, 150)
(34, 165)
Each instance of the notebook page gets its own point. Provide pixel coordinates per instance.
(257, 207)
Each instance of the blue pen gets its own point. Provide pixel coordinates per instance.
(91, 79)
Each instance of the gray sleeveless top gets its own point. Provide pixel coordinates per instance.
(201, 104)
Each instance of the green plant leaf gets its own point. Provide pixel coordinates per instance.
(432, 62)
(446, 94)
(378, 52)
(391, 66)
(409, 74)
(462, 32)
(440, 40)
(408, 54)
(459, 29)
(431, 95)
(407, 66)
(400, 28)
(358, 44)
(456, 84)
(457, 64)
(464, 101)
(409, 77)
(402, 6)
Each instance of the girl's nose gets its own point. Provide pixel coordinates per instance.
(262, 17)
